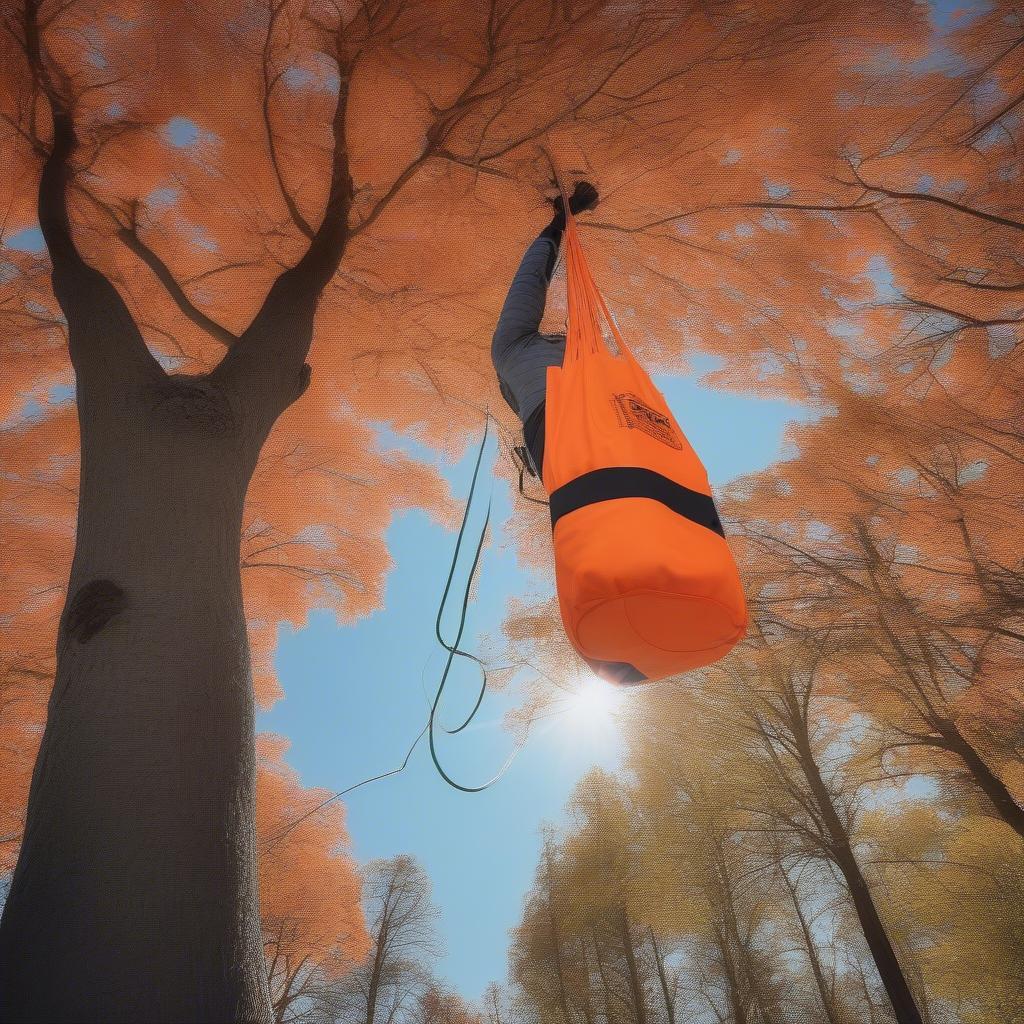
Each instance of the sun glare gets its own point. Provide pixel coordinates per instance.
(594, 702)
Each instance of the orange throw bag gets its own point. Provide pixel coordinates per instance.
(647, 585)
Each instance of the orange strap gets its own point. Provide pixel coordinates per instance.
(586, 303)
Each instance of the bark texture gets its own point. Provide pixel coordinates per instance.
(136, 884)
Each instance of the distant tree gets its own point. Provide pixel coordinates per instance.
(438, 1006)
(705, 889)
(960, 878)
(916, 584)
(495, 1011)
(540, 963)
(811, 804)
(607, 884)
(314, 931)
(391, 983)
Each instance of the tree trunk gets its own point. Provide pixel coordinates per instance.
(605, 983)
(134, 897)
(582, 962)
(670, 1006)
(556, 942)
(742, 961)
(379, 948)
(556, 946)
(986, 780)
(733, 987)
(135, 893)
(893, 979)
(882, 951)
(635, 984)
(826, 996)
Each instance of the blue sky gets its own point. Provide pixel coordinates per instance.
(356, 696)
(950, 14)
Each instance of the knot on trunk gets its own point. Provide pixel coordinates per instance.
(194, 403)
(95, 603)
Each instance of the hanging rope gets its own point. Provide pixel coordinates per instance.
(521, 458)
(453, 648)
(278, 836)
(453, 651)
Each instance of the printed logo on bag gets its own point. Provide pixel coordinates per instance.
(638, 415)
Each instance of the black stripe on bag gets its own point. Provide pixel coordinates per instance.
(633, 482)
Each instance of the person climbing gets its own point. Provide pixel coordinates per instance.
(647, 585)
(520, 352)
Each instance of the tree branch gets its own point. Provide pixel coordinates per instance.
(130, 236)
(105, 343)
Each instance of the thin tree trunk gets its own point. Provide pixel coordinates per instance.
(865, 988)
(379, 948)
(586, 1004)
(611, 1018)
(952, 740)
(746, 963)
(556, 944)
(635, 984)
(736, 997)
(882, 951)
(987, 781)
(670, 1006)
(288, 997)
(737, 947)
(495, 1006)
(827, 1000)
(563, 999)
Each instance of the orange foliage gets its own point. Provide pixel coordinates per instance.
(438, 1007)
(309, 886)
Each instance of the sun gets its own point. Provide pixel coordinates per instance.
(593, 704)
